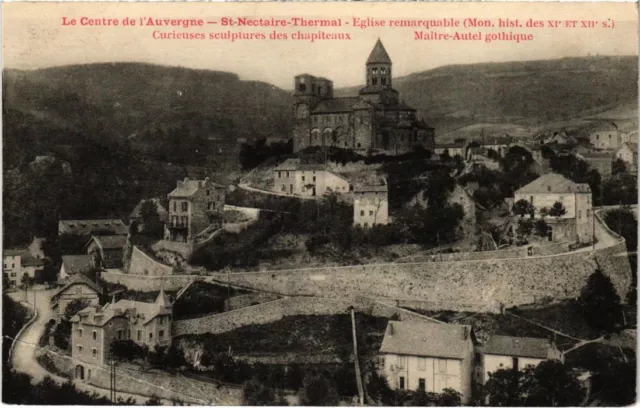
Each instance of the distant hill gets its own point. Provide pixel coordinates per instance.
(131, 100)
(528, 93)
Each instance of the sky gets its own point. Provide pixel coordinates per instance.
(35, 38)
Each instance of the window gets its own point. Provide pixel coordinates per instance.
(287, 174)
(374, 81)
(185, 206)
(175, 206)
(80, 333)
(94, 352)
(401, 383)
(548, 188)
(120, 334)
(383, 81)
(279, 174)
(374, 70)
(95, 335)
(421, 384)
(422, 363)
(150, 336)
(579, 213)
(139, 335)
(211, 206)
(161, 334)
(79, 350)
(13, 275)
(362, 213)
(314, 178)
(284, 188)
(371, 213)
(208, 192)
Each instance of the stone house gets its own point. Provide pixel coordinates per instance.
(370, 200)
(194, 206)
(30, 265)
(96, 327)
(577, 223)
(106, 251)
(628, 153)
(12, 266)
(428, 356)
(293, 177)
(73, 265)
(92, 227)
(606, 136)
(506, 352)
(79, 287)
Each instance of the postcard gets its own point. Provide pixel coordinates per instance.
(305, 204)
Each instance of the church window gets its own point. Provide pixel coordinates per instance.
(358, 144)
(315, 120)
(374, 81)
(383, 70)
(374, 70)
(302, 87)
(362, 213)
(384, 81)
(346, 144)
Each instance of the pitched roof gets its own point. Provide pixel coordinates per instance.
(632, 146)
(553, 183)
(26, 259)
(289, 164)
(76, 263)
(79, 279)
(517, 346)
(427, 339)
(13, 252)
(608, 125)
(110, 241)
(88, 227)
(187, 188)
(335, 105)
(142, 312)
(378, 54)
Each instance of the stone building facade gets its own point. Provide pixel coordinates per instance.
(375, 121)
(293, 177)
(370, 200)
(194, 206)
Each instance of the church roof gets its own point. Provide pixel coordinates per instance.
(400, 106)
(378, 54)
(335, 105)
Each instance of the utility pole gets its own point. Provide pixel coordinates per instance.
(355, 358)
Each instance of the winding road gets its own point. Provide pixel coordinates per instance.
(24, 360)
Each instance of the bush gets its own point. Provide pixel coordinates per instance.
(44, 339)
(127, 350)
(62, 335)
(601, 303)
(318, 390)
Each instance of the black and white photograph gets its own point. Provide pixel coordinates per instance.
(319, 204)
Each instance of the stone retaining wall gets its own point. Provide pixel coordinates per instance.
(299, 306)
(148, 283)
(512, 282)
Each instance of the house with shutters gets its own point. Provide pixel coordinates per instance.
(312, 180)
(428, 356)
(370, 199)
(96, 327)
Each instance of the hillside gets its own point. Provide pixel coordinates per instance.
(145, 104)
(518, 94)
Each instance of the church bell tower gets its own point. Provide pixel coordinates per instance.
(378, 68)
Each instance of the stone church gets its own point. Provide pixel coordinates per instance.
(376, 121)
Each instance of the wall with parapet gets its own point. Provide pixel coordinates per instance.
(521, 252)
(143, 264)
(512, 282)
(250, 299)
(276, 310)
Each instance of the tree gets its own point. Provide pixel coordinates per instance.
(317, 390)
(618, 166)
(449, 398)
(523, 207)
(378, 389)
(550, 383)
(600, 302)
(541, 227)
(525, 227)
(255, 393)
(557, 210)
(151, 225)
(615, 384)
(544, 211)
